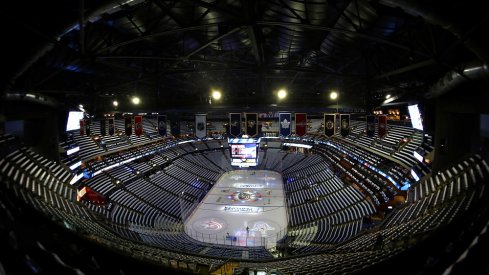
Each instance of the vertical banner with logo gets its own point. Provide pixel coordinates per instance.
(235, 124)
(162, 125)
(382, 125)
(88, 127)
(200, 126)
(82, 127)
(251, 122)
(111, 126)
(103, 129)
(128, 125)
(174, 124)
(329, 124)
(284, 120)
(300, 124)
(345, 124)
(337, 123)
(138, 125)
(370, 125)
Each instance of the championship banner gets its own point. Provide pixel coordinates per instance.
(138, 125)
(128, 125)
(251, 122)
(345, 125)
(370, 126)
(382, 125)
(82, 127)
(162, 125)
(200, 126)
(111, 126)
(284, 120)
(235, 124)
(88, 125)
(329, 124)
(103, 129)
(300, 124)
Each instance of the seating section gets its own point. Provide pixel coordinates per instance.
(96, 144)
(330, 190)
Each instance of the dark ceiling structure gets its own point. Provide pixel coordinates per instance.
(172, 53)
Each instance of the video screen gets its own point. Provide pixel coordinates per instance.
(243, 151)
(73, 122)
(243, 154)
(415, 117)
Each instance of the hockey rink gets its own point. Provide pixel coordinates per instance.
(244, 208)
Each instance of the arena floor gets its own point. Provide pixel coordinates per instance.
(244, 208)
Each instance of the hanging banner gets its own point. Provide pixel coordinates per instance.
(284, 120)
(162, 125)
(200, 126)
(329, 124)
(111, 126)
(128, 125)
(174, 124)
(138, 125)
(251, 122)
(370, 125)
(103, 129)
(235, 124)
(345, 124)
(82, 127)
(300, 124)
(88, 125)
(382, 125)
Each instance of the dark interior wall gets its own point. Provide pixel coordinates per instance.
(457, 126)
(42, 125)
(42, 135)
(457, 135)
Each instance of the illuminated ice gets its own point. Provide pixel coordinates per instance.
(250, 212)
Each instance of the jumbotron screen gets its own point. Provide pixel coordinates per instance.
(243, 152)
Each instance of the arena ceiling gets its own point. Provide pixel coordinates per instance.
(172, 53)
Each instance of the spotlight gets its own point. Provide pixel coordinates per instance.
(136, 100)
(387, 96)
(282, 93)
(216, 95)
(333, 95)
(115, 103)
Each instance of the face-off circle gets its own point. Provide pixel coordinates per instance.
(245, 196)
(209, 224)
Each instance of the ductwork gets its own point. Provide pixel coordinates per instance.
(471, 71)
(451, 80)
(432, 15)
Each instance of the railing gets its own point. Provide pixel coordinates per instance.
(249, 239)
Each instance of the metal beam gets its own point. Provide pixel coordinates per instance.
(129, 17)
(154, 35)
(406, 69)
(206, 61)
(214, 7)
(167, 10)
(82, 27)
(343, 31)
(291, 10)
(215, 39)
(256, 47)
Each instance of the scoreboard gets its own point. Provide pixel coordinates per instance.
(244, 151)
